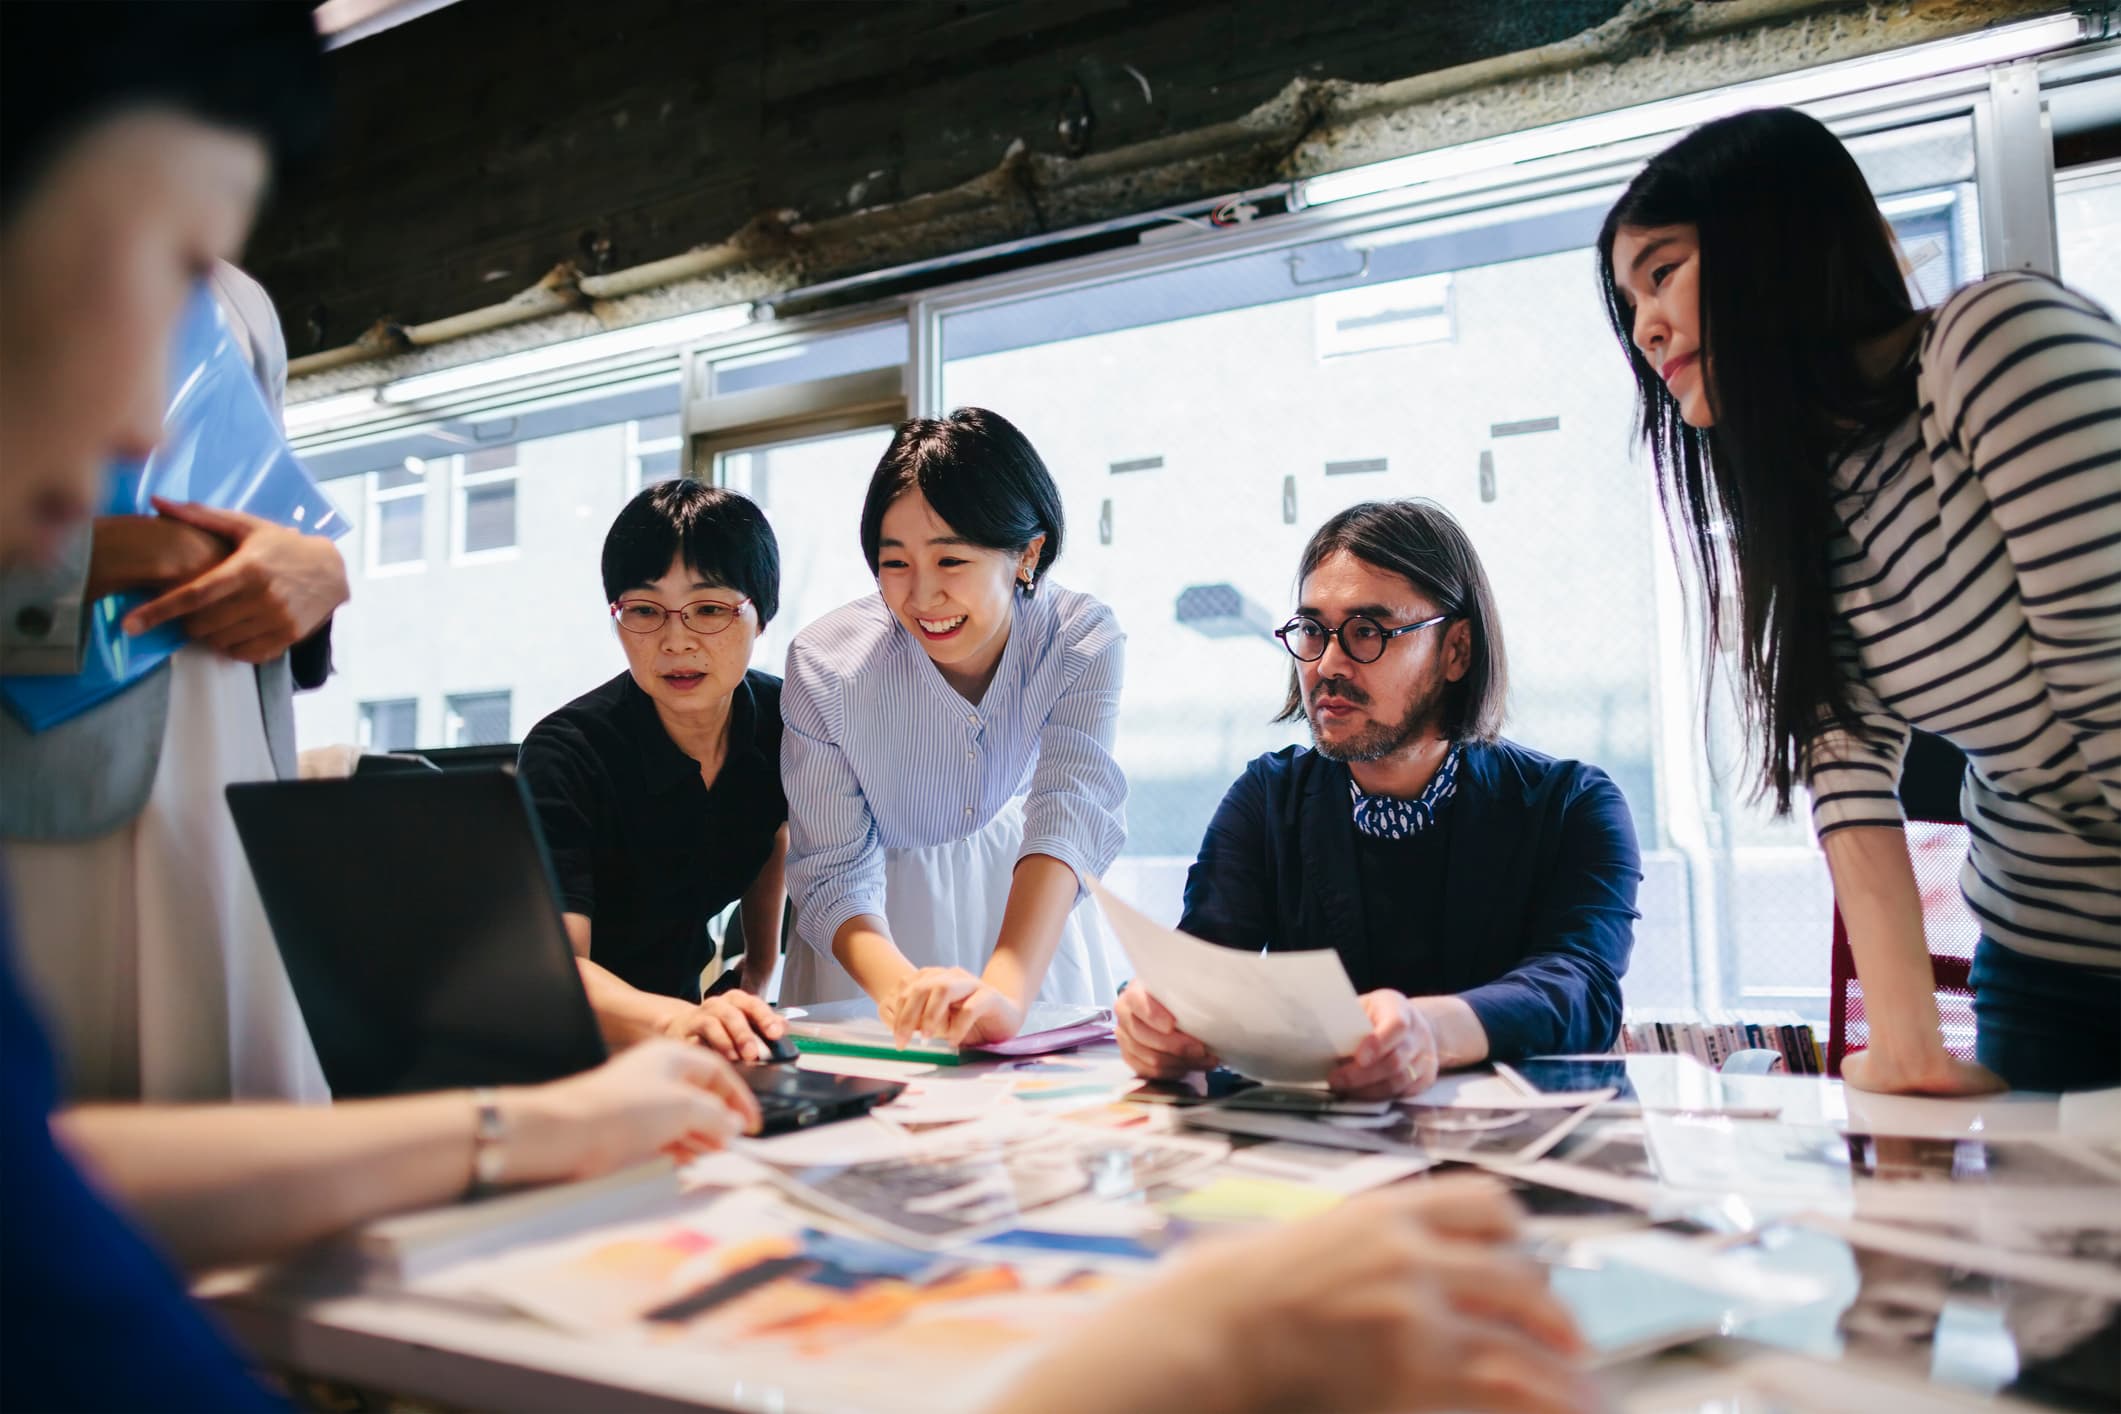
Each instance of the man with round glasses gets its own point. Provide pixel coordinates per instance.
(1481, 895)
(660, 792)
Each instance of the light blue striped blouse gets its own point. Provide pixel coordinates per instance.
(879, 752)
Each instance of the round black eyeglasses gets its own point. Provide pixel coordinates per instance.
(1361, 637)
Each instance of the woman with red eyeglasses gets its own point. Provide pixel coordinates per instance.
(660, 792)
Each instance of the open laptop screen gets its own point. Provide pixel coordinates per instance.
(420, 927)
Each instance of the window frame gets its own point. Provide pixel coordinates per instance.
(638, 447)
(364, 722)
(1524, 189)
(375, 496)
(453, 718)
(462, 482)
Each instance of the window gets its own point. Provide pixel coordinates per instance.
(872, 346)
(397, 518)
(1465, 359)
(2088, 230)
(531, 619)
(486, 504)
(392, 725)
(479, 719)
(811, 491)
(654, 452)
(1389, 316)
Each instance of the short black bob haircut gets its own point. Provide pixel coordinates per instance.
(1422, 543)
(722, 537)
(255, 66)
(980, 474)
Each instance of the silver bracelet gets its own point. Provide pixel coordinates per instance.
(489, 1138)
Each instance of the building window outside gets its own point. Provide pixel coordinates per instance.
(392, 725)
(1394, 315)
(532, 619)
(655, 451)
(397, 518)
(486, 504)
(811, 491)
(479, 719)
(2088, 231)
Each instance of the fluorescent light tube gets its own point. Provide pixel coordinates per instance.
(1995, 46)
(319, 413)
(508, 368)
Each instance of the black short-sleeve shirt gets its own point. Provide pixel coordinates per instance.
(643, 847)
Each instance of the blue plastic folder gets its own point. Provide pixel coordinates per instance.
(221, 446)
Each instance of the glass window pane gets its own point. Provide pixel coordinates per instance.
(391, 725)
(479, 719)
(2088, 229)
(1415, 419)
(400, 528)
(812, 493)
(855, 351)
(660, 466)
(1465, 362)
(487, 459)
(411, 472)
(534, 624)
(489, 517)
(1387, 316)
(655, 429)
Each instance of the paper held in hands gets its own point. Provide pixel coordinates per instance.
(1285, 1018)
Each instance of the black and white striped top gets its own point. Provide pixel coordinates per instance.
(1978, 582)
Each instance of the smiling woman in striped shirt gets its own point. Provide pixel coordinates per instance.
(1919, 512)
(948, 751)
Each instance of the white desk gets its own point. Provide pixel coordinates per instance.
(456, 1355)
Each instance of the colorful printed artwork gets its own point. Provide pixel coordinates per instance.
(748, 1270)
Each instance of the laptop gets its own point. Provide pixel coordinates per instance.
(420, 926)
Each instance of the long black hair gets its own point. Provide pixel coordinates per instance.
(1797, 270)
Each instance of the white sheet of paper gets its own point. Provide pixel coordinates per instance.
(864, 1067)
(2090, 1114)
(1344, 1171)
(937, 1101)
(850, 1141)
(1285, 1018)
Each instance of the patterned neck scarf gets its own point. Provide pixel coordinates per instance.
(1385, 818)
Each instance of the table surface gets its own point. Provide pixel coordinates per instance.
(1974, 1345)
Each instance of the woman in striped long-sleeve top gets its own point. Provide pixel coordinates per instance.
(1920, 514)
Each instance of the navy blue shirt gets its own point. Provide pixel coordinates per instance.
(1524, 906)
(90, 1317)
(1401, 881)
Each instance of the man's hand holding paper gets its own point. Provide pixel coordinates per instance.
(1398, 1057)
(1150, 1039)
(1285, 1018)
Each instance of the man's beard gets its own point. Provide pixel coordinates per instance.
(1378, 740)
